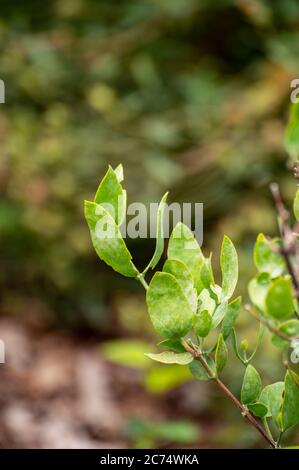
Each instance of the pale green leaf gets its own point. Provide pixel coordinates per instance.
(229, 268)
(184, 278)
(184, 247)
(111, 196)
(296, 205)
(203, 324)
(292, 133)
(169, 309)
(252, 385)
(290, 405)
(279, 299)
(199, 372)
(219, 314)
(258, 290)
(107, 240)
(206, 275)
(267, 258)
(272, 396)
(205, 302)
(230, 317)
(170, 357)
(119, 171)
(221, 354)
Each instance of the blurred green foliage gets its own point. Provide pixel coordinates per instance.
(190, 96)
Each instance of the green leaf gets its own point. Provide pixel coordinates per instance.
(219, 314)
(279, 299)
(111, 196)
(258, 409)
(266, 256)
(221, 354)
(203, 324)
(107, 240)
(258, 290)
(230, 317)
(173, 344)
(206, 274)
(205, 302)
(229, 268)
(170, 357)
(272, 396)
(184, 278)
(169, 309)
(127, 352)
(290, 405)
(198, 371)
(119, 171)
(159, 236)
(292, 133)
(184, 247)
(296, 205)
(252, 385)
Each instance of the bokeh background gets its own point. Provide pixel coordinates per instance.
(192, 96)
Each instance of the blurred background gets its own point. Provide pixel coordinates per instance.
(192, 96)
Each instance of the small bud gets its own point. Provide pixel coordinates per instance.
(244, 345)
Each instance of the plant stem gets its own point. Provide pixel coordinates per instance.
(141, 279)
(270, 327)
(198, 354)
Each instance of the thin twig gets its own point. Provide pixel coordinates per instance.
(270, 327)
(197, 354)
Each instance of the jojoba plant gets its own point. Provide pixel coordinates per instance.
(186, 306)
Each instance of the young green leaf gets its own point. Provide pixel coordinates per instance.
(205, 302)
(279, 299)
(107, 241)
(252, 386)
(203, 324)
(172, 343)
(184, 278)
(184, 247)
(199, 372)
(258, 290)
(292, 133)
(221, 354)
(206, 274)
(169, 309)
(111, 196)
(290, 327)
(119, 171)
(170, 357)
(296, 205)
(258, 409)
(229, 268)
(219, 314)
(267, 258)
(272, 396)
(230, 317)
(290, 405)
(159, 236)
